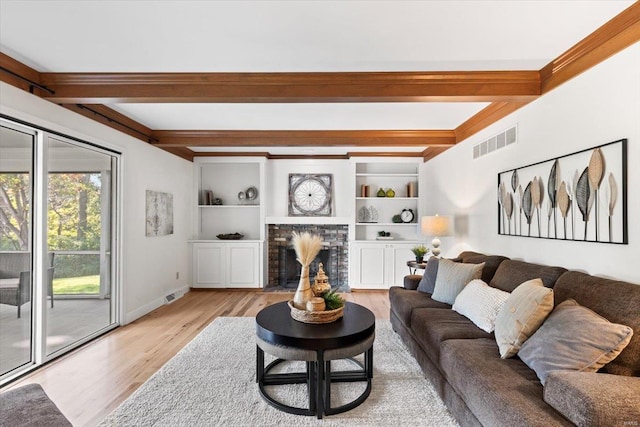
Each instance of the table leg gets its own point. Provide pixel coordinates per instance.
(327, 385)
(259, 364)
(311, 386)
(319, 385)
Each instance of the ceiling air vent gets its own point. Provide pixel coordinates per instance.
(496, 142)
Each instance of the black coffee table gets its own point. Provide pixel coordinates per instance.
(317, 344)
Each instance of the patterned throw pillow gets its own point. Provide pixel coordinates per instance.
(574, 338)
(452, 277)
(523, 312)
(480, 303)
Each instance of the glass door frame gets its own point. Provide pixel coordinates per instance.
(39, 247)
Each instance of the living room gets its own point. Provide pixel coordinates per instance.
(590, 107)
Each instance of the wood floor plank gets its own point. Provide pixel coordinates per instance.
(90, 382)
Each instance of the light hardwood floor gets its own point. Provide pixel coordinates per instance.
(90, 382)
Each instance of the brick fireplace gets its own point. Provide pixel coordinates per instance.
(284, 270)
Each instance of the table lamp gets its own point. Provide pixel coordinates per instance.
(436, 226)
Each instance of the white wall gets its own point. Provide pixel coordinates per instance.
(277, 184)
(600, 106)
(149, 264)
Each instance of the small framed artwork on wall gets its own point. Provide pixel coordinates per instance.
(579, 196)
(310, 194)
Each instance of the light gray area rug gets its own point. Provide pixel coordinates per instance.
(211, 382)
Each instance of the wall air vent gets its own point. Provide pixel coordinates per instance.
(496, 142)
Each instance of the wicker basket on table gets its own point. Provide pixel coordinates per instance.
(305, 316)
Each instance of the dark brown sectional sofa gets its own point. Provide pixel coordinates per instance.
(479, 388)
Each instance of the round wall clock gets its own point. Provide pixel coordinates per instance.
(310, 194)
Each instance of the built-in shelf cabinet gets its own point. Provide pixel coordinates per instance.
(379, 264)
(382, 174)
(228, 263)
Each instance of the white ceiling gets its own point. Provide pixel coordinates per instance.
(296, 36)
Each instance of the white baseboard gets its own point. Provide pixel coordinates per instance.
(157, 302)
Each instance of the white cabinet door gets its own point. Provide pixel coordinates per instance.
(208, 265)
(399, 254)
(368, 266)
(227, 265)
(378, 265)
(243, 266)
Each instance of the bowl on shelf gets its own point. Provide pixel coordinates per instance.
(230, 236)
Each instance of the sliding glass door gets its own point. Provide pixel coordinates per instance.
(78, 243)
(57, 233)
(17, 146)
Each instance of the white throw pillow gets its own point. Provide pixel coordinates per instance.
(481, 304)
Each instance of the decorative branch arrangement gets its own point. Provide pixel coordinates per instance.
(580, 191)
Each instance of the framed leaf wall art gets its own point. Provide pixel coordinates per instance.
(579, 196)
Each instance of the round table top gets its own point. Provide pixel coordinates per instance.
(418, 265)
(275, 325)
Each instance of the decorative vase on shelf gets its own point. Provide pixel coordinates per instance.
(381, 193)
(390, 193)
(303, 293)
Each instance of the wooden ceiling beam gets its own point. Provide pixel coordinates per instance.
(183, 152)
(270, 156)
(110, 117)
(301, 138)
(617, 34)
(485, 117)
(20, 75)
(459, 86)
(432, 152)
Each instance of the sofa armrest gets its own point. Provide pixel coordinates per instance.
(594, 399)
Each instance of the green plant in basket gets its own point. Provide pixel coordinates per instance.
(333, 300)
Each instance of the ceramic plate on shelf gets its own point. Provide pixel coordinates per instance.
(251, 193)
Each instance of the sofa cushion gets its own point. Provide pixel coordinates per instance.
(594, 399)
(614, 300)
(452, 277)
(432, 326)
(511, 274)
(491, 263)
(428, 282)
(499, 392)
(480, 303)
(404, 301)
(524, 311)
(573, 338)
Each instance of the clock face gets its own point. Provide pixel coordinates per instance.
(406, 215)
(309, 195)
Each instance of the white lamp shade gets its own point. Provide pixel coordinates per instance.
(436, 225)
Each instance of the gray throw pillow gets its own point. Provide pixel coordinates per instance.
(573, 338)
(452, 277)
(428, 281)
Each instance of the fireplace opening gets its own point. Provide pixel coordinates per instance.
(290, 268)
(284, 271)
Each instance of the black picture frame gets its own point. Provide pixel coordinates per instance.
(580, 196)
